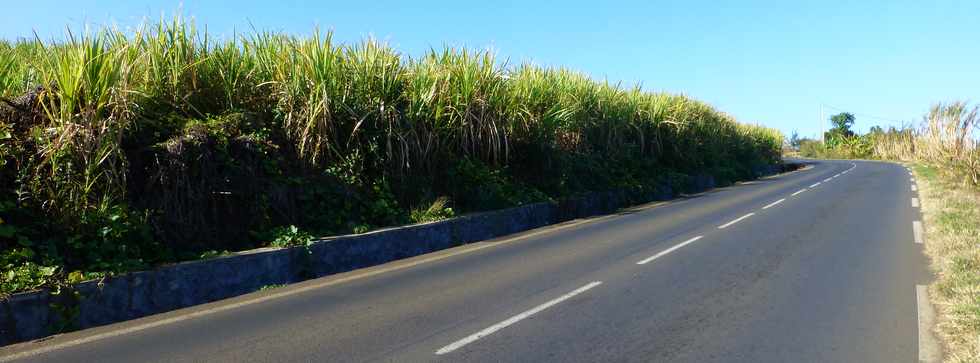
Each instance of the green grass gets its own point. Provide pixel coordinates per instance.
(163, 143)
(952, 211)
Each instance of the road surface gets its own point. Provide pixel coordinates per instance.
(818, 265)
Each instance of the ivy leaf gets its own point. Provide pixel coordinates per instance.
(48, 271)
(75, 277)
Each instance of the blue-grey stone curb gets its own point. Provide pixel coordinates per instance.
(37, 314)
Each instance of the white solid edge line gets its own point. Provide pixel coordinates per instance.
(928, 347)
(669, 250)
(798, 192)
(914, 188)
(514, 319)
(736, 220)
(773, 203)
(915, 202)
(815, 184)
(917, 231)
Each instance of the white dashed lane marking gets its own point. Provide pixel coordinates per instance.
(669, 250)
(917, 231)
(773, 203)
(736, 220)
(514, 319)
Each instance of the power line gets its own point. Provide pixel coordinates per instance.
(867, 115)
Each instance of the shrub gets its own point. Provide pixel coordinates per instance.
(125, 150)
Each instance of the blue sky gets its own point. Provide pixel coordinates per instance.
(767, 62)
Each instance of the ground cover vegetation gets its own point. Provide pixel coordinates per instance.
(951, 211)
(126, 150)
(944, 151)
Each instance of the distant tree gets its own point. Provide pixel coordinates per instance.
(841, 130)
(794, 140)
(842, 123)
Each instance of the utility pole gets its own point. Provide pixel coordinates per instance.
(822, 131)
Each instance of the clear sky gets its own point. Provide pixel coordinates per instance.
(767, 62)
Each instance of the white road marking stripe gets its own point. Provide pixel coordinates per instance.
(912, 180)
(915, 202)
(917, 231)
(290, 291)
(514, 319)
(669, 250)
(928, 347)
(285, 293)
(826, 180)
(914, 188)
(798, 192)
(774, 203)
(723, 226)
(815, 184)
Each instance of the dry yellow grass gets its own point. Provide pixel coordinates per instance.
(951, 213)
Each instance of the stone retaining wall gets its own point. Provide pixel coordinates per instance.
(37, 314)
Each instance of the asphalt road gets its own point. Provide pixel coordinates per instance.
(828, 274)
